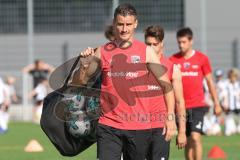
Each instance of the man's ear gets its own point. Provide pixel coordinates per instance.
(136, 24)
(162, 44)
(192, 42)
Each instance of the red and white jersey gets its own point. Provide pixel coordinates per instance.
(124, 99)
(193, 71)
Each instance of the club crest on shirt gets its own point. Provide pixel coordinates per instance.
(135, 59)
(186, 65)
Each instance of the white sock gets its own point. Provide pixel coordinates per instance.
(4, 120)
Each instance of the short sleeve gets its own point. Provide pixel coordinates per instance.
(206, 66)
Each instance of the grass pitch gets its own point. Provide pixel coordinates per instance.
(13, 142)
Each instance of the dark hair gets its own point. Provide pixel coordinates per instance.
(185, 32)
(125, 9)
(37, 61)
(109, 33)
(155, 31)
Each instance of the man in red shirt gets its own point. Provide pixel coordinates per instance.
(159, 148)
(124, 126)
(194, 66)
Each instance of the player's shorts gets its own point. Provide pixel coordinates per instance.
(112, 143)
(159, 147)
(235, 111)
(195, 120)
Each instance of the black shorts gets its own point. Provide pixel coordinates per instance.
(235, 111)
(112, 143)
(159, 147)
(195, 120)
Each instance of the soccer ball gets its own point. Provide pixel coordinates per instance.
(78, 125)
(75, 104)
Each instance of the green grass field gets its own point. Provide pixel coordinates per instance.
(12, 145)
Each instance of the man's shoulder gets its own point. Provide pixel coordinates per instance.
(167, 60)
(175, 56)
(201, 54)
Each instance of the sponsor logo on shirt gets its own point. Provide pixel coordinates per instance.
(135, 59)
(123, 74)
(190, 74)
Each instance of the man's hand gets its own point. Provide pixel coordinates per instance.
(181, 140)
(217, 109)
(86, 57)
(89, 51)
(170, 127)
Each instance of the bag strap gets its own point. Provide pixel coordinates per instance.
(72, 69)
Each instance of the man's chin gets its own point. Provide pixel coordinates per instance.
(124, 38)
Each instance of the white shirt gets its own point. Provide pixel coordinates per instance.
(220, 88)
(41, 91)
(231, 95)
(2, 89)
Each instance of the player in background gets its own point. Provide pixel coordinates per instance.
(231, 103)
(10, 96)
(159, 148)
(3, 108)
(38, 70)
(195, 66)
(211, 125)
(39, 92)
(117, 132)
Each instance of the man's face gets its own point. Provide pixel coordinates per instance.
(184, 44)
(124, 27)
(233, 77)
(156, 44)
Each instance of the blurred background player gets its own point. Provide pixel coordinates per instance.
(39, 92)
(231, 103)
(159, 148)
(10, 89)
(194, 66)
(212, 124)
(3, 108)
(39, 70)
(10, 96)
(220, 83)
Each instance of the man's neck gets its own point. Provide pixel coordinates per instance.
(160, 54)
(119, 42)
(188, 54)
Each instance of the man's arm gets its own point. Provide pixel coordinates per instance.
(28, 68)
(180, 106)
(212, 91)
(154, 66)
(48, 67)
(90, 62)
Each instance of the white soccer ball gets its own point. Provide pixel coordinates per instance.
(79, 125)
(75, 104)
